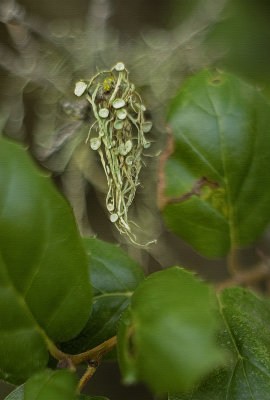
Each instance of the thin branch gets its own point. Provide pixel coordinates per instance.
(91, 369)
(248, 278)
(195, 191)
(92, 357)
(96, 353)
(75, 359)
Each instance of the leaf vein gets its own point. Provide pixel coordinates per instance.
(102, 261)
(246, 378)
(126, 294)
(230, 380)
(59, 305)
(99, 332)
(258, 367)
(193, 147)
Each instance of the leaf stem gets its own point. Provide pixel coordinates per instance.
(93, 354)
(247, 278)
(96, 353)
(91, 369)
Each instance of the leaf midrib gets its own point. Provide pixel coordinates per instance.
(112, 294)
(43, 252)
(99, 332)
(240, 357)
(44, 383)
(100, 260)
(198, 152)
(23, 301)
(225, 178)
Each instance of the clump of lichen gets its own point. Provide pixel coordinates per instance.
(118, 135)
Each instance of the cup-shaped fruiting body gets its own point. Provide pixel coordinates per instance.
(118, 124)
(95, 143)
(147, 126)
(120, 66)
(118, 103)
(110, 206)
(103, 112)
(113, 217)
(80, 88)
(122, 113)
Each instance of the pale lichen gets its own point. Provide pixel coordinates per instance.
(118, 134)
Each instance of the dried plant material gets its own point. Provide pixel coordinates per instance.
(118, 134)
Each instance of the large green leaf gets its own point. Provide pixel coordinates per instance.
(45, 288)
(114, 277)
(221, 128)
(173, 344)
(51, 385)
(246, 335)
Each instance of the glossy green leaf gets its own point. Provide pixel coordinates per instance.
(114, 277)
(51, 385)
(173, 344)
(246, 335)
(221, 128)
(45, 289)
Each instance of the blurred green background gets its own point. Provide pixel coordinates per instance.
(47, 45)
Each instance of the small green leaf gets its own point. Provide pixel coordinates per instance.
(246, 335)
(114, 277)
(221, 128)
(45, 289)
(173, 344)
(51, 385)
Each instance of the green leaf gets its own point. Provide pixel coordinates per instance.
(17, 394)
(125, 348)
(114, 277)
(45, 290)
(51, 385)
(21, 338)
(245, 334)
(221, 128)
(173, 344)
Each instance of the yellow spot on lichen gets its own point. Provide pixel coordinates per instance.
(107, 84)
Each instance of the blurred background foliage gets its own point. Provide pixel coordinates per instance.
(46, 46)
